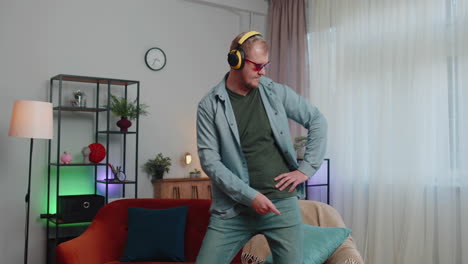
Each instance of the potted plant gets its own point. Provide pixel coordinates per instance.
(127, 111)
(299, 146)
(195, 173)
(157, 167)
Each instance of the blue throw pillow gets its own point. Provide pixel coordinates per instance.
(320, 243)
(155, 235)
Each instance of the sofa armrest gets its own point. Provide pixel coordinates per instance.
(256, 250)
(103, 241)
(95, 246)
(346, 254)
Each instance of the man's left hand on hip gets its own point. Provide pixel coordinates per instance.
(292, 179)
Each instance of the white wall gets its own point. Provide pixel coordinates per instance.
(108, 38)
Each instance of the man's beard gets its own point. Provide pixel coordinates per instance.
(251, 85)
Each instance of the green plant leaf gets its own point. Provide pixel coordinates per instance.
(120, 106)
(157, 166)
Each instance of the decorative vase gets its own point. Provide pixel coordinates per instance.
(79, 99)
(124, 124)
(86, 151)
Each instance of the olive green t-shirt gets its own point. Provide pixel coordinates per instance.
(263, 156)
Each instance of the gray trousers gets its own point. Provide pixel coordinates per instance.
(225, 237)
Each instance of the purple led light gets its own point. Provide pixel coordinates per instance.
(114, 190)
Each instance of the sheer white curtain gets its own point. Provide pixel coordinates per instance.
(391, 76)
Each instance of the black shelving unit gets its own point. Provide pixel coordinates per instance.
(101, 115)
(324, 181)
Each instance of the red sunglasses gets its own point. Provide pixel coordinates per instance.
(258, 67)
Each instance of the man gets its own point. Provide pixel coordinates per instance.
(245, 148)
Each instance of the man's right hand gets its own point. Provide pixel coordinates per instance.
(262, 205)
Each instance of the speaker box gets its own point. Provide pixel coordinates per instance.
(78, 208)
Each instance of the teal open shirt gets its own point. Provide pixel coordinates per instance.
(220, 150)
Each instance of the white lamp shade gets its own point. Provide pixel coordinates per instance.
(31, 119)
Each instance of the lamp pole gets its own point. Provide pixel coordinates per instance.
(27, 204)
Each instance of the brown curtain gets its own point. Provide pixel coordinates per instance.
(287, 36)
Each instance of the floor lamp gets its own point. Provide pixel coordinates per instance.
(31, 119)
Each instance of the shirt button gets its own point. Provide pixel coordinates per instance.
(232, 124)
(281, 132)
(276, 113)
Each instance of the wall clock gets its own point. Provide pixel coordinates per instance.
(155, 59)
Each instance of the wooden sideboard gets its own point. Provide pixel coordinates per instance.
(184, 188)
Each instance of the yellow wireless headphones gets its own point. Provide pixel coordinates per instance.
(236, 56)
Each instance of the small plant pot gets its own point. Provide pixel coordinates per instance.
(158, 174)
(195, 175)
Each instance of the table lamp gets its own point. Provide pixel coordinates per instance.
(31, 119)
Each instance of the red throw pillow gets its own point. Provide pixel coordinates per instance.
(98, 152)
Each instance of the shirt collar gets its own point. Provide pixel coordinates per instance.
(220, 89)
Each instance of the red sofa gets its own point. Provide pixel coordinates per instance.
(104, 240)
